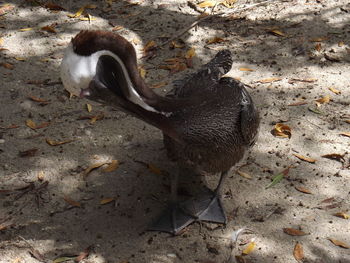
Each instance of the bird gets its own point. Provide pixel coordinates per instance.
(208, 121)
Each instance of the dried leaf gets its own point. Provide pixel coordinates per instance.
(8, 65)
(327, 200)
(318, 39)
(117, 28)
(49, 29)
(31, 124)
(304, 158)
(278, 178)
(318, 47)
(142, 72)
(215, 40)
(36, 99)
(71, 201)
(28, 153)
(347, 134)
(303, 190)
(339, 243)
(347, 121)
(56, 143)
(229, 3)
(93, 167)
(243, 174)
(5, 8)
(150, 45)
(20, 59)
(26, 29)
(107, 200)
(294, 232)
(298, 252)
(335, 156)
(249, 249)
(190, 53)
(324, 100)
(159, 85)
(340, 43)
(112, 166)
(174, 44)
(1, 41)
(298, 103)
(315, 110)
(205, 4)
(277, 32)
(246, 69)
(335, 91)
(88, 107)
(342, 215)
(53, 7)
(154, 169)
(269, 80)
(78, 13)
(291, 81)
(282, 130)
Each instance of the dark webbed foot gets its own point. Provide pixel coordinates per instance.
(205, 208)
(173, 220)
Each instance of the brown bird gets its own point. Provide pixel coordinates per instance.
(208, 121)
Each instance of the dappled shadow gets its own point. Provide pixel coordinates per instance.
(117, 230)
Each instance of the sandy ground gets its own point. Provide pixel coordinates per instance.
(48, 209)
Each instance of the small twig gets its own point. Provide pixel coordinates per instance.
(201, 19)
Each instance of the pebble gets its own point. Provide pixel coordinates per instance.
(2, 141)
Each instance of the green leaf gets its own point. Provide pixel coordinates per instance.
(63, 259)
(278, 178)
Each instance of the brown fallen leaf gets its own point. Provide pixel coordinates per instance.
(93, 167)
(335, 156)
(243, 174)
(50, 28)
(269, 80)
(111, 167)
(347, 121)
(71, 201)
(215, 40)
(56, 143)
(174, 44)
(154, 169)
(28, 153)
(303, 190)
(342, 215)
(190, 53)
(318, 47)
(228, 3)
(249, 249)
(159, 85)
(304, 158)
(12, 126)
(88, 107)
(335, 91)
(318, 39)
(294, 232)
(282, 130)
(327, 200)
(31, 124)
(107, 200)
(291, 81)
(36, 99)
(53, 7)
(298, 252)
(150, 45)
(142, 71)
(205, 4)
(340, 43)
(339, 243)
(347, 134)
(246, 69)
(41, 176)
(7, 65)
(324, 100)
(277, 32)
(117, 28)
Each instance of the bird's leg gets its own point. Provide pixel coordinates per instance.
(208, 207)
(174, 219)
